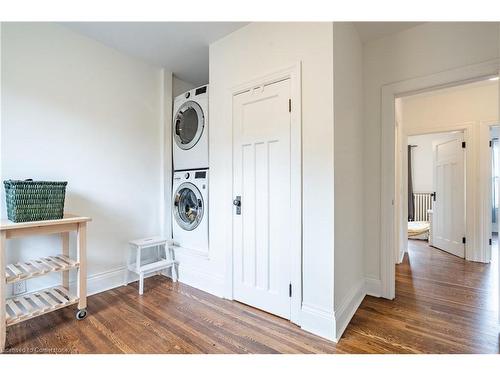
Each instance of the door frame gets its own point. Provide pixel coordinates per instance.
(292, 72)
(485, 172)
(389, 93)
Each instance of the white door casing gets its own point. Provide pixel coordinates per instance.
(448, 223)
(485, 152)
(389, 93)
(261, 177)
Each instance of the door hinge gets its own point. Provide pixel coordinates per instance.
(463, 144)
(489, 242)
(491, 143)
(289, 290)
(289, 105)
(463, 240)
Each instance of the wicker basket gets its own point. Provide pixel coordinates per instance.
(34, 200)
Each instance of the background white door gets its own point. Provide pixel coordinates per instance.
(261, 141)
(449, 206)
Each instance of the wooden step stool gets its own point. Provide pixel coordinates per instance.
(162, 263)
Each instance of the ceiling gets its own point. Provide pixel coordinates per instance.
(369, 31)
(182, 47)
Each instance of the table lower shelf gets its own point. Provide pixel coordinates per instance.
(38, 267)
(152, 267)
(20, 308)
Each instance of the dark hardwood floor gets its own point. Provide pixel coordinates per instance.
(443, 305)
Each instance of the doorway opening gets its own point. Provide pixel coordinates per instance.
(436, 191)
(446, 207)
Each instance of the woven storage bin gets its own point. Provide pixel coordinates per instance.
(34, 200)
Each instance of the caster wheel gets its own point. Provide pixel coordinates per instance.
(81, 314)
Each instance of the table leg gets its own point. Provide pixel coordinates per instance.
(127, 265)
(141, 283)
(82, 269)
(175, 274)
(65, 251)
(138, 256)
(3, 322)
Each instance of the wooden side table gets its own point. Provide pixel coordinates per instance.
(20, 308)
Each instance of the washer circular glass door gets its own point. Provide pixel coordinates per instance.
(188, 206)
(189, 122)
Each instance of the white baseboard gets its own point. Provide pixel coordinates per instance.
(194, 270)
(373, 287)
(192, 275)
(401, 256)
(318, 321)
(104, 281)
(200, 279)
(348, 307)
(96, 283)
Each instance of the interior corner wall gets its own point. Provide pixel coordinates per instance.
(423, 50)
(349, 179)
(77, 111)
(256, 50)
(166, 154)
(179, 86)
(401, 199)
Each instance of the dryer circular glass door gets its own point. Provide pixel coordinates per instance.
(189, 122)
(188, 206)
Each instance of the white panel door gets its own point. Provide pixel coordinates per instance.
(448, 219)
(261, 141)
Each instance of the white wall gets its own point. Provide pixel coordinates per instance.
(422, 159)
(416, 52)
(179, 86)
(474, 102)
(75, 110)
(349, 180)
(255, 50)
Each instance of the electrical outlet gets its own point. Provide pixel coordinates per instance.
(19, 287)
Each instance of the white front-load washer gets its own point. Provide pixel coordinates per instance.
(190, 210)
(190, 130)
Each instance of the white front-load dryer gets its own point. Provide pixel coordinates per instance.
(190, 130)
(190, 210)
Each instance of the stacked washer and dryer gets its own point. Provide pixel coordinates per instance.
(190, 161)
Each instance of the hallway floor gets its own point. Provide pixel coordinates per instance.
(443, 305)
